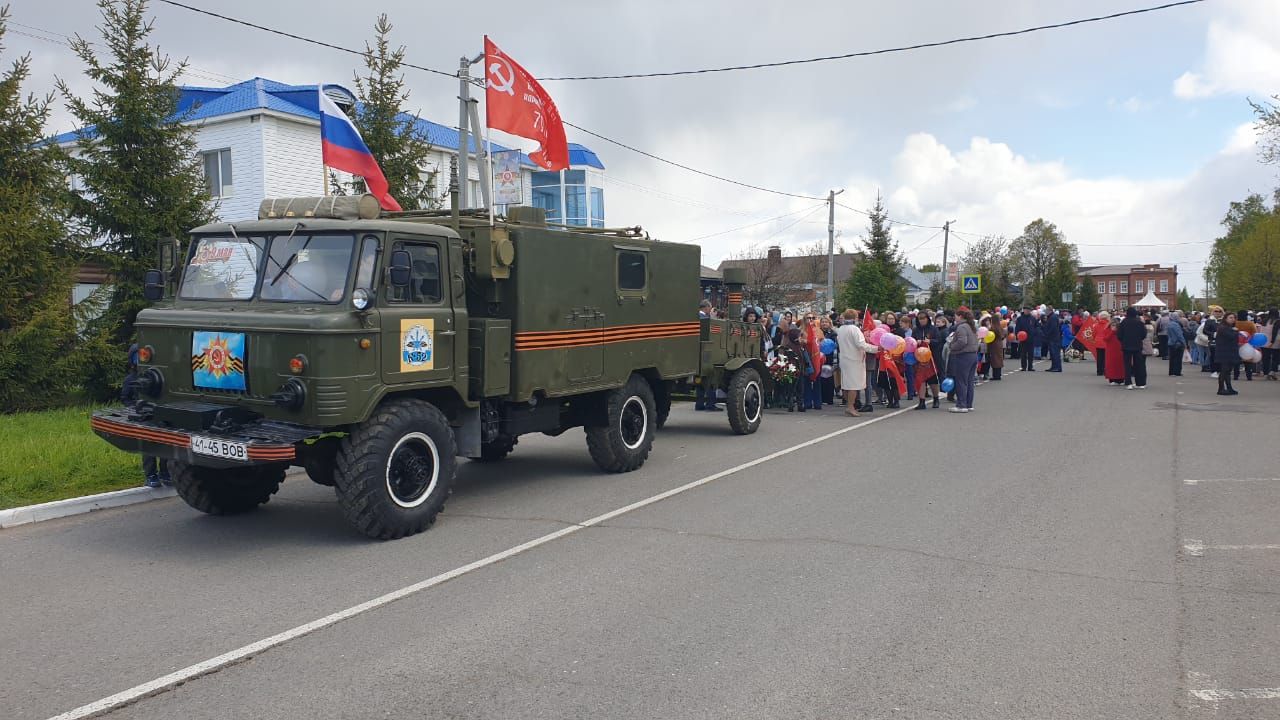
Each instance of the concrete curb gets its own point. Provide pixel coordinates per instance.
(14, 517)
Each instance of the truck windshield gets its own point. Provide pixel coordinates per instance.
(307, 268)
(291, 267)
(223, 268)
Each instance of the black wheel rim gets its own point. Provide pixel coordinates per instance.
(751, 402)
(412, 470)
(633, 421)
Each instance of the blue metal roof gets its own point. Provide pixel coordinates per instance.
(205, 103)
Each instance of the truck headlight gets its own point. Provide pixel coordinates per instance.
(360, 299)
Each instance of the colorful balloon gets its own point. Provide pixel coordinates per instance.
(924, 354)
(1022, 336)
(827, 346)
(911, 345)
(1258, 340)
(948, 384)
(1242, 338)
(889, 341)
(988, 338)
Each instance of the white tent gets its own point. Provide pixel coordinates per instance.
(1150, 300)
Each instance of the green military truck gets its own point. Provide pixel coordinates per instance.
(373, 349)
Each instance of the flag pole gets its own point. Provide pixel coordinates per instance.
(324, 172)
(488, 154)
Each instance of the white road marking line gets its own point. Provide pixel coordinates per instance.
(191, 672)
(1196, 548)
(1197, 481)
(1241, 694)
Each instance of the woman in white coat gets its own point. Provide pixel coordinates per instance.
(853, 367)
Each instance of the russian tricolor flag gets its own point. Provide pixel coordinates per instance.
(345, 150)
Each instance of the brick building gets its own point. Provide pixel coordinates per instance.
(1120, 286)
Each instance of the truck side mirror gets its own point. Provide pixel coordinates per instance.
(400, 268)
(153, 285)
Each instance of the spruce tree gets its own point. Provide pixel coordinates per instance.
(1087, 296)
(397, 143)
(882, 251)
(139, 176)
(37, 256)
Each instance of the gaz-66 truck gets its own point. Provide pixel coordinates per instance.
(373, 349)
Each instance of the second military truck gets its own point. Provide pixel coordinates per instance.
(373, 349)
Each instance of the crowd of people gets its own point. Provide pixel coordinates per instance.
(858, 359)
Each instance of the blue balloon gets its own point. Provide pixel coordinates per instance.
(827, 346)
(1258, 340)
(948, 385)
(910, 358)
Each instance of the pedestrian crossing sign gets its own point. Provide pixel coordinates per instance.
(971, 284)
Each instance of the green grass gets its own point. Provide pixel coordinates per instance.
(53, 455)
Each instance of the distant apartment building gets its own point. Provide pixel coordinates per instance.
(1120, 286)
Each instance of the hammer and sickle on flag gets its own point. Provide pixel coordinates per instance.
(516, 103)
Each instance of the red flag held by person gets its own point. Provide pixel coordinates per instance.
(868, 322)
(516, 103)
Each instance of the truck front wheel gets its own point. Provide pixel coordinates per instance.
(226, 491)
(395, 470)
(746, 401)
(622, 442)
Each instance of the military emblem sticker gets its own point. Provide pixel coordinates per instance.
(217, 360)
(417, 345)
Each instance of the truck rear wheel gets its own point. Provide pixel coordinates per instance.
(395, 470)
(745, 401)
(226, 491)
(623, 442)
(497, 449)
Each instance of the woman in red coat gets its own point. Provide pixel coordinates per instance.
(1114, 353)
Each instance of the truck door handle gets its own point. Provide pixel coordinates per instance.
(447, 332)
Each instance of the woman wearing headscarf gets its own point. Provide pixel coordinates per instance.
(964, 359)
(995, 349)
(1110, 342)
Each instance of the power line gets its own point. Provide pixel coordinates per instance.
(890, 220)
(294, 36)
(807, 212)
(884, 51)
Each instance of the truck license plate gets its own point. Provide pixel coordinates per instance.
(219, 448)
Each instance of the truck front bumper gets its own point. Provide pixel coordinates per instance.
(263, 441)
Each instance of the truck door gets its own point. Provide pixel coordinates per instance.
(418, 325)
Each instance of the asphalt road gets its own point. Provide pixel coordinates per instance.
(1069, 550)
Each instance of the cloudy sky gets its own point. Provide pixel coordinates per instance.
(1132, 135)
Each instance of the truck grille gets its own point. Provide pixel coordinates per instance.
(331, 400)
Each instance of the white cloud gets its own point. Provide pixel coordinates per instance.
(1242, 53)
(1132, 105)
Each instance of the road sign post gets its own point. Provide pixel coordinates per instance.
(970, 284)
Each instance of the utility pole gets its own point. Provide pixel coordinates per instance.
(831, 247)
(946, 239)
(464, 102)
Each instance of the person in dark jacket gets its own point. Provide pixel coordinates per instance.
(1131, 334)
(1226, 353)
(1174, 342)
(1026, 324)
(1053, 336)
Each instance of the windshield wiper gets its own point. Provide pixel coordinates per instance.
(292, 258)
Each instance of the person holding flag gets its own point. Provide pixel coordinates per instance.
(343, 149)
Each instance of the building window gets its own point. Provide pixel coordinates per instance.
(597, 207)
(217, 172)
(1102, 288)
(1124, 287)
(1111, 287)
(1137, 286)
(1164, 286)
(546, 194)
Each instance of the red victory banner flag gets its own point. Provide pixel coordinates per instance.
(516, 103)
(868, 322)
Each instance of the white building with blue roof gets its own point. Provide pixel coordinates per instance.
(261, 138)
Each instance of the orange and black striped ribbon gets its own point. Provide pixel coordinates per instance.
(177, 439)
(564, 339)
